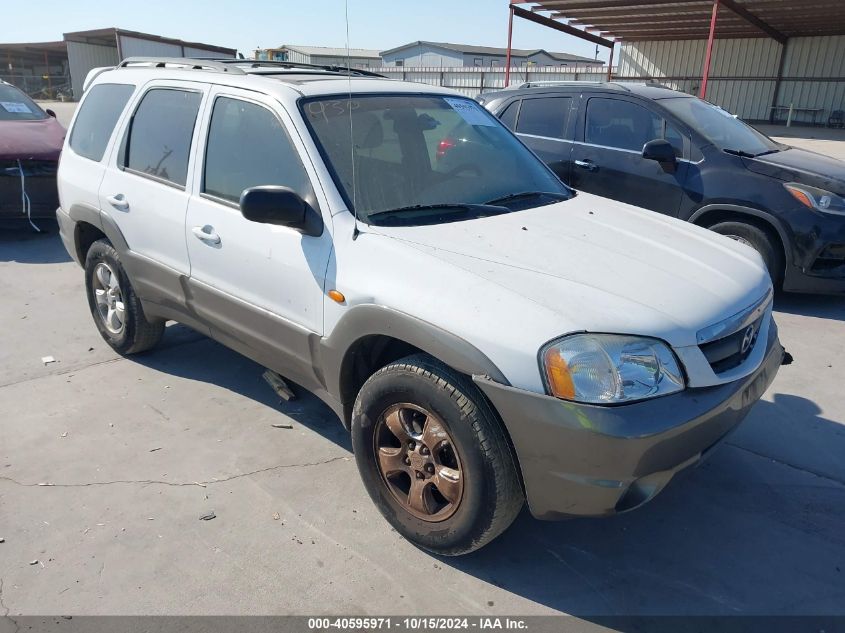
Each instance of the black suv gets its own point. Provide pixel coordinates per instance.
(669, 152)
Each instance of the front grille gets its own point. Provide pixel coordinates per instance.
(731, 351)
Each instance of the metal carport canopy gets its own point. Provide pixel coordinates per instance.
(690, 19)
(606, 21)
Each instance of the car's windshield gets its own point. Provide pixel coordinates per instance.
(16, 106)
(426, 158)
(720, 127)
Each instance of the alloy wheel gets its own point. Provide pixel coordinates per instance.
(418, 461)
(109, 298)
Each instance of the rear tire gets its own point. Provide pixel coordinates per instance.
(419, 425)
(760, 241)
(115, 307)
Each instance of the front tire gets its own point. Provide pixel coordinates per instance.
(757, 239)
(114, 305)
(434, 457)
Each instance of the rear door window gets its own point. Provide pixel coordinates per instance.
(249, 147)
(97, 117)
(544, 116)
(158, 142)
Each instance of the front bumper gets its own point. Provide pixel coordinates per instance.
(587, 460)
(818, 254)
(40, 187)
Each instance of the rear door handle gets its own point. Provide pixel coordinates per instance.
(118, 201)
(587, 164)
(206, 234)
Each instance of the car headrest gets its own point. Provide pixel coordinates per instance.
(367, 131)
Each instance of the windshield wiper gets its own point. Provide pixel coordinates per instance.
(528, 194)
(478, 210)
(740, 152)
(768, 151)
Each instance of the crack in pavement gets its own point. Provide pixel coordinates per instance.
(201, 484)
(6, 609)
(818, 474)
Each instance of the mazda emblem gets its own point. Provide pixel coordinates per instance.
(748, 339)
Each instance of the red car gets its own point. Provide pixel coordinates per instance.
(30, 143)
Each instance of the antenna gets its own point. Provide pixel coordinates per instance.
(355, 230)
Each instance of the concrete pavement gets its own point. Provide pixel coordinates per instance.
(134, 451)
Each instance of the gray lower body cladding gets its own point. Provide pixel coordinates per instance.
(586, 460)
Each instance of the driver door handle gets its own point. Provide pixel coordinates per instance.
(586, 164)
(206, 234)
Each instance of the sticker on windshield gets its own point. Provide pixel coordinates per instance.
(470, 111)
(15, 106)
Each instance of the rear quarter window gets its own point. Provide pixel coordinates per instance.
(97, 117)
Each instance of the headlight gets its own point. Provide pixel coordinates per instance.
(610, 368)
(815, 198)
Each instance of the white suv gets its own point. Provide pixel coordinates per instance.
(487, 334)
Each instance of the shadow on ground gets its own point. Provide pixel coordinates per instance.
(20, 243)
(757, 529)
(820, 306)
(190, 355)
(741, 534)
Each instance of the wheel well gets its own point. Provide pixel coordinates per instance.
(365, 357)
(369, 354)
(85, 235)
(716, 216)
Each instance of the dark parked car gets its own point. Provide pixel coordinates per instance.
(672, 153)
(30, 143)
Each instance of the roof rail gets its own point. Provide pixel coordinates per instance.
(235, 66)
(273, 63)
(190, 63)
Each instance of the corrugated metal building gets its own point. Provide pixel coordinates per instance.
(744, 72)
(320, 55)
(52, 69)
(759, 59)
(107, 47)
(446, 55)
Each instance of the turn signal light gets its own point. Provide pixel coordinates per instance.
(800, 196)
(560, 378)
(336, 295)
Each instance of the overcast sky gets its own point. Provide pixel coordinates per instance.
(245, 25)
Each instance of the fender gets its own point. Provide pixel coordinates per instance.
(372, 320)
(771, 221)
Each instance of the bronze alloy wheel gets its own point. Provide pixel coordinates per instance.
(418, 461)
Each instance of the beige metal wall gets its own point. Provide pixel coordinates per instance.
(473, 80)
(744, 71)
(83, 58)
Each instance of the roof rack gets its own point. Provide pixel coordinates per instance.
(564, 82)
(236, 66)
(258, 63)
(188, 62)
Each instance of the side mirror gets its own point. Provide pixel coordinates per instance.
(659, 150)
(273, 204)
(50, 113)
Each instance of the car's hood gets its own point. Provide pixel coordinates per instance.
(31, 140)
(803, 166)
(604, 264)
